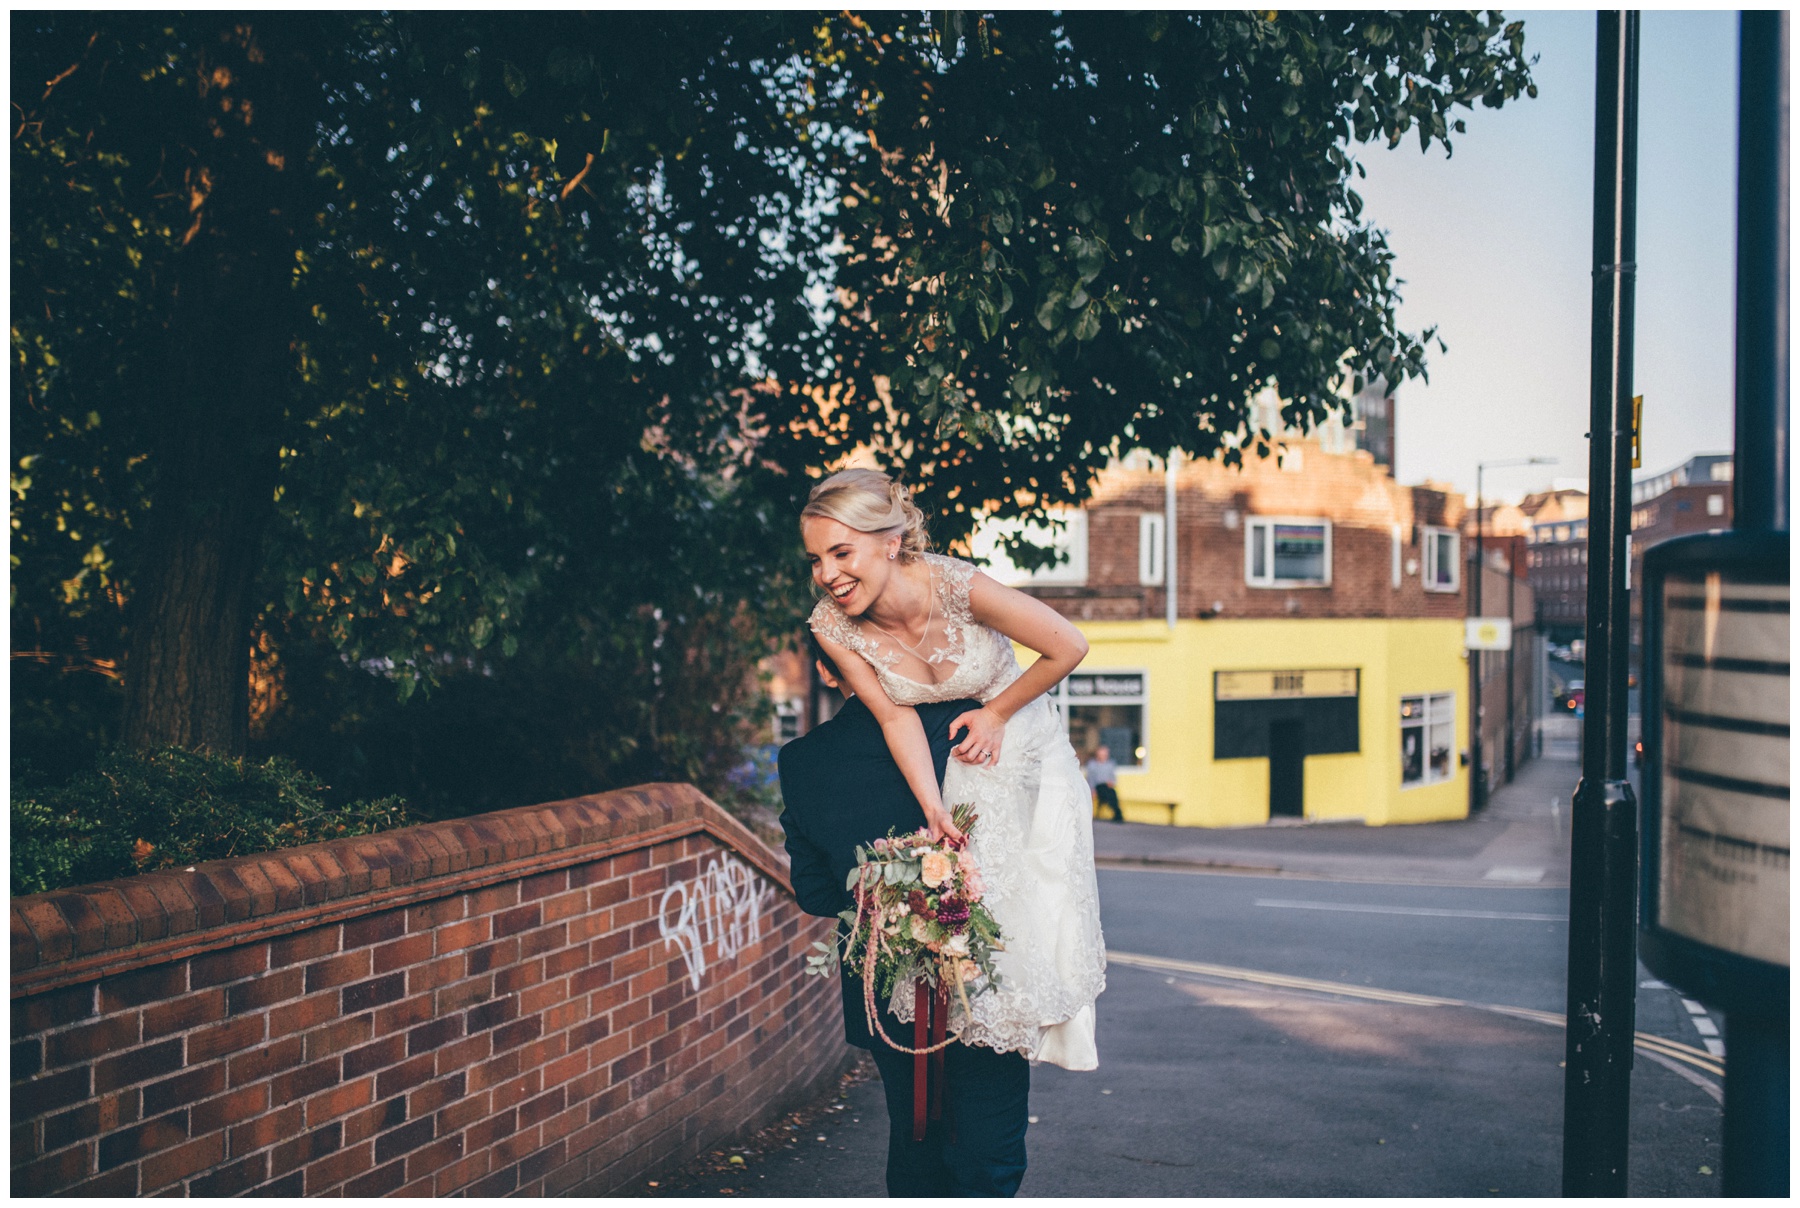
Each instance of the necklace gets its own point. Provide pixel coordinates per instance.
(925, 634)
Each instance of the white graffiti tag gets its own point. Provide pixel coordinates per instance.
(722, 907)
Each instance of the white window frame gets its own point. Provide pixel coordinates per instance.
(1142, 700)
(1434, 706)
(1430, 535)
(1262, 528)
(1396, 551)
(1152, 549)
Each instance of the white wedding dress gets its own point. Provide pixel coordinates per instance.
(1033, 844)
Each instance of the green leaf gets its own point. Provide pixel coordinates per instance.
(1088, 325)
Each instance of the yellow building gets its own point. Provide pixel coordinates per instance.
(1232, 722)
(1284, 639)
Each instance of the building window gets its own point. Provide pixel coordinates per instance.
(1715, 505)
(1427, 739)
(1443, 559)
(1152, 548)
(1394, 551)
(1283, 552)
(787, 719)
(1106, 708)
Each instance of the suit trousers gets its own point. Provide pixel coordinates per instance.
(977, 1148)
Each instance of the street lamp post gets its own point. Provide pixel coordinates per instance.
(1475, 743)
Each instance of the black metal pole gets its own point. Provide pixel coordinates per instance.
(1603, 859)
(1477, 660)
(1512, 687)
(1755, 1154)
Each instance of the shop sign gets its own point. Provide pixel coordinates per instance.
(1276, 685)
(1487, 633)
(1107, 685)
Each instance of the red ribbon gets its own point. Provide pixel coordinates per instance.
(931, 1019)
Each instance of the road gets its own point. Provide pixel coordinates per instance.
(1298, 1036)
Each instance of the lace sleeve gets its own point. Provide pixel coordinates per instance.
(829, 622)
(954, 576)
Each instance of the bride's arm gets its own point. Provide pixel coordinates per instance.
(904, 733)
(1033, 624)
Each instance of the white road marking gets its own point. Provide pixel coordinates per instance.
(1659, 1049)
(1518, 875)
(1423, 911)
(1705, 1026)
(1693, 1008)
(1715, 1047)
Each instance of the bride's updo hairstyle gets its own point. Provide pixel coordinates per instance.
(871, 502)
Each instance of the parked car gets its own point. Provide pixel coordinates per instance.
(1572, 696)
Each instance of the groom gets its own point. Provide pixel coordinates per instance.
(840, 788)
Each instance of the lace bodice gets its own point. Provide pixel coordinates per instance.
(984, 659)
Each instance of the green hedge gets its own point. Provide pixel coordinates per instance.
(171, 808)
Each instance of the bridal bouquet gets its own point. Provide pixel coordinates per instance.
(918, 917)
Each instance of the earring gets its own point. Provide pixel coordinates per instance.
(891, 555)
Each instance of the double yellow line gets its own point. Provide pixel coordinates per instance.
(1700, 1059)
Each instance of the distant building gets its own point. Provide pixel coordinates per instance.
(1556, 561)
(1694, 497)
(1315, 667)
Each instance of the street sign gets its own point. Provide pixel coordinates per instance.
(1487, 633)
(1716, 783)
(1637, 438)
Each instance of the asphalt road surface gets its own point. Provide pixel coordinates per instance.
(1266, 1036)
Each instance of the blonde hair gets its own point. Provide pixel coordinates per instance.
(871, 502)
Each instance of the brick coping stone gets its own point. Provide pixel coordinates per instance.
(81, 933)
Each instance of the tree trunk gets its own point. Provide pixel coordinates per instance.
(233, 321)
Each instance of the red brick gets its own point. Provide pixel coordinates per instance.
(526, 973)
(54, 1173)
(141, 986)
(460, 1113)
(302, 1013)
(453, 937)
(226, 1037)
(337, 1037)
(500, 1183)
(279, 1125)
(231, 964)
(66, 1128)
(263, 991)
(316, 1143)
(115, 1184)
(373, 929)
(181, 1014)
(428, 916)
(373, 993)
(151, 1136)
(88, 1041)
(518, 919)
(408, 950)
(338, 970)
(307, 1080)
(405, 1076)
(229, 1109)
(138, 1065)
(371, 1057)
(427, 1099)
(234, 1178)
(336, 1101)
(465, 993)
(377, 1119)
(433, 1035)
(459, 1174)
(434, 1157)
(402, 1015)
(497, 955)
(188, 1087)
(54, 1008)
(435, 973)
(344, 1164)
(178, 1163)
(383, 1180)
(267, 1061)
(494, 898)
(303, 947)
(466, 1053)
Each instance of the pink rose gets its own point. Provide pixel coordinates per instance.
(971, 879)
(936, 868)
(921, 930)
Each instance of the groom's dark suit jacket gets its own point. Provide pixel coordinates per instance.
(840, 787)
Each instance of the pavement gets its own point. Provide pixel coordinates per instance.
(1218, 1080)
(1520, 838)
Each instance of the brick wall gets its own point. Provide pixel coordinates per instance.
(562, 998)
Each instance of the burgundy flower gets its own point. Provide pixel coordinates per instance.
(953, 912)
(919, 905)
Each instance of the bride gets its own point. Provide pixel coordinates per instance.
(905, 627)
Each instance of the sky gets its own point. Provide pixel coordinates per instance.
(1494, 245)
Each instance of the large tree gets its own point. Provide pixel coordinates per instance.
(429, 335)
(1075, 232)
(381, 318)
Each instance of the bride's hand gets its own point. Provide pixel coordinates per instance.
(938, 819)
(981, 745)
